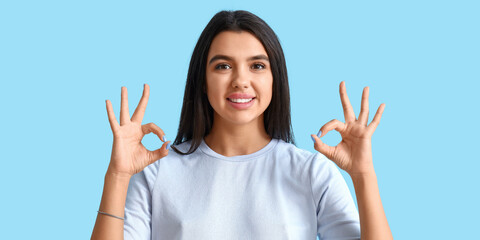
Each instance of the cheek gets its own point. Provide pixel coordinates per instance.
(268, 91)
(211, 95)
(214, 93)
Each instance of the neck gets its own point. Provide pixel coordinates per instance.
(230, 139)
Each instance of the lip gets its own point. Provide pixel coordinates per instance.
(241, 106)
(240, 96)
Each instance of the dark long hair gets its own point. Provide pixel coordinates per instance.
(196, 119)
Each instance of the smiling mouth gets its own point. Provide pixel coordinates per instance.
(240, 100)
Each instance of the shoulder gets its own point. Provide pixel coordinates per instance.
(151, 170)
(309, 163)
(294, 152)
(316, 162)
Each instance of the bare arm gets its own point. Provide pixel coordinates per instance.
(373, 222)
(113, 202)
(354, 155)
(129, 157)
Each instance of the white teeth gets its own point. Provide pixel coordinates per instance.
(240, 100)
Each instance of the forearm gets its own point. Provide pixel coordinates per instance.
(373, 222)
(113, 202)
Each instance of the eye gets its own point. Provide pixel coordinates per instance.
(222, 66)
(258, 66)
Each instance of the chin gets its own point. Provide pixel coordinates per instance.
(241, 118)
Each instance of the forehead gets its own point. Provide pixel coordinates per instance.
(236, 44)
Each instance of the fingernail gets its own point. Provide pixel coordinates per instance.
(319, 134)
(169, 145)
(313, 139)
(164, 139)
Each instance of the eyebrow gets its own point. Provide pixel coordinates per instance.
(227, 58)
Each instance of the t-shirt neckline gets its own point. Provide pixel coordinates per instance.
(240, 158)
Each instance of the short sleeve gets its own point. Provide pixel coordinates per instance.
(138, 204)
(337, 216)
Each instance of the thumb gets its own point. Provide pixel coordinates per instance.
(159, 153)
(322, 147)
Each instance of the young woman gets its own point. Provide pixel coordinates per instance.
(234, 172)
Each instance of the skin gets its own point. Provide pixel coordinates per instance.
(129, 157)
(240, 132)
(354, 155)
(241, 69)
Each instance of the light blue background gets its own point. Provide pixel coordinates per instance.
(60, 60)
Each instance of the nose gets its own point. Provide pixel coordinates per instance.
(240, 79)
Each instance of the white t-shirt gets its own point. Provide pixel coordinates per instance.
(278, 192)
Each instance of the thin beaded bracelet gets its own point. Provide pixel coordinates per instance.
(111, 215)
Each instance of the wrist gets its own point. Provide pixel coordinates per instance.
(362, 171)
(117, 176)
(113, 171)
(359, 179)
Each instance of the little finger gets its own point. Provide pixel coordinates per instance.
(111, 116)
(376, 119)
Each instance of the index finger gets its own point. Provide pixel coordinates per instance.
(347, 107)
(142, 105)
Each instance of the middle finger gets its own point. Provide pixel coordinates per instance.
(347, 107)
(142, 105)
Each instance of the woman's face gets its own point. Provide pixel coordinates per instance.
(238, 77)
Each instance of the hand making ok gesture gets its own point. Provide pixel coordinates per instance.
(129, 156)
(354, 153)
